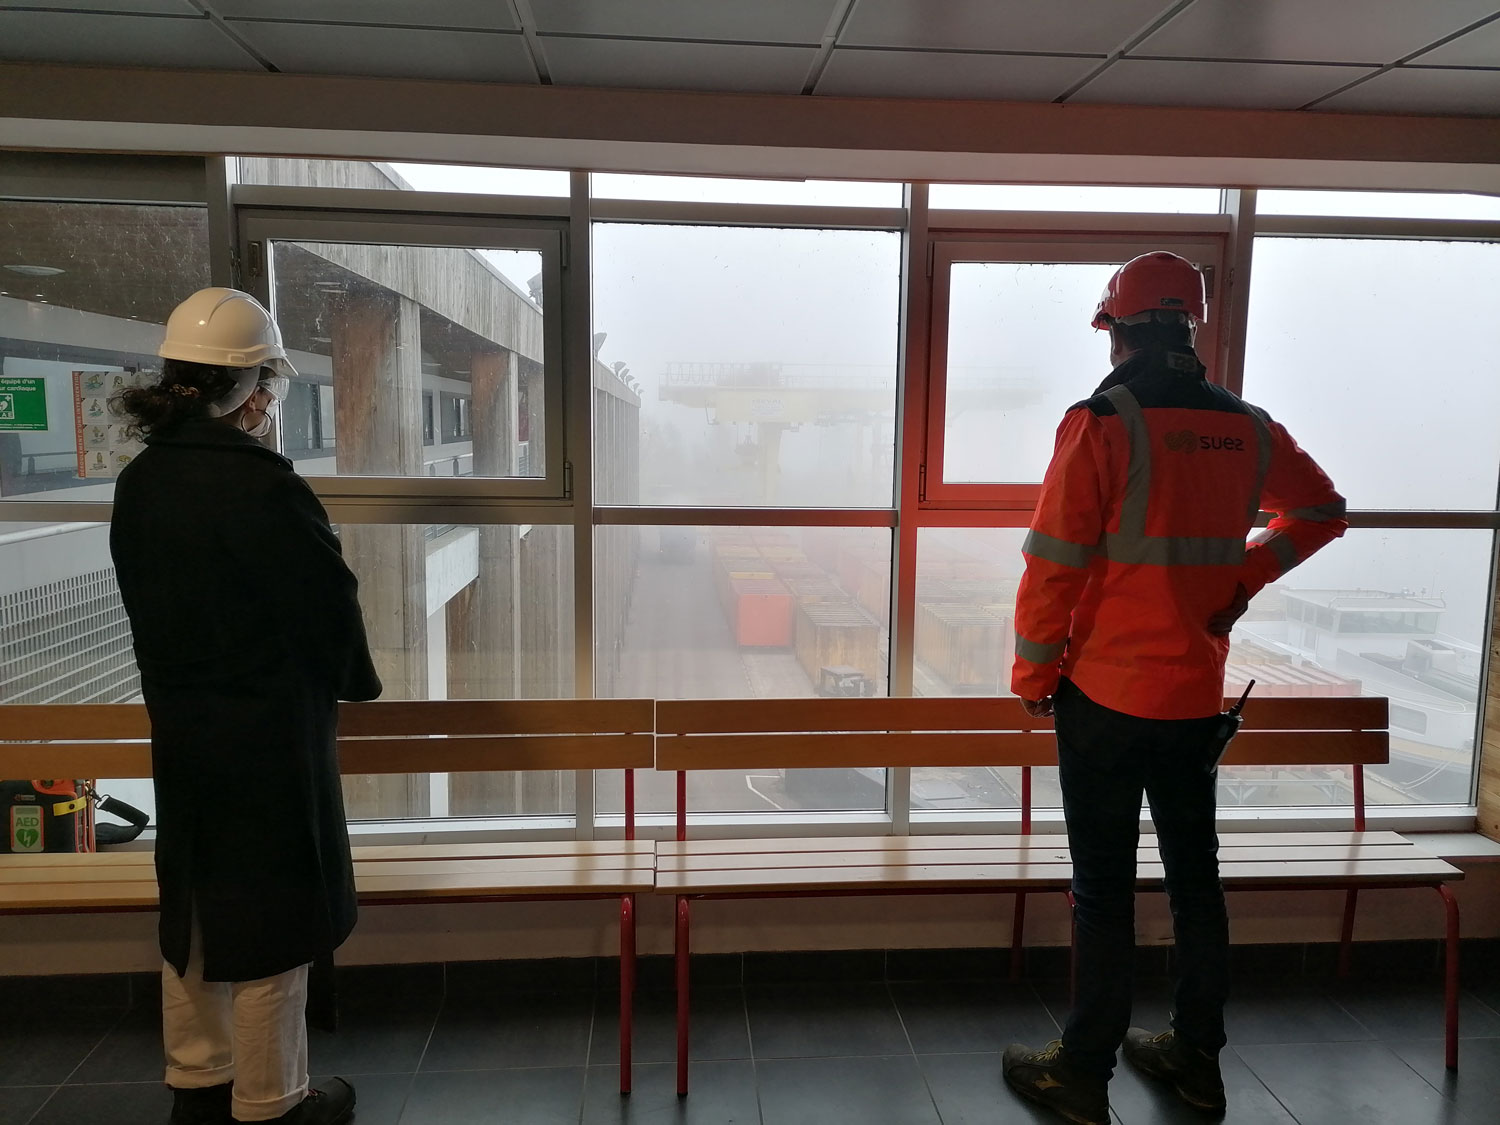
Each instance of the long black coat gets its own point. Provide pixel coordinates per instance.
(247, 633)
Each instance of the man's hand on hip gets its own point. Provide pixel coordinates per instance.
(1221, 623)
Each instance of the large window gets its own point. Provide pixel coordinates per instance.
(765, 361)
(806, 443)
(736, 612)
(1380, 355)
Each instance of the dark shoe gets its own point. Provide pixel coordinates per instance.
(1194, 1074)
(207, 1105)
(333, 1105)
(1044, 1077)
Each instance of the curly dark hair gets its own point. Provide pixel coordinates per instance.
(1169, 333)
(184, 391)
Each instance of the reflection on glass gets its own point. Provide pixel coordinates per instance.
(1340, 349)
(1055, 197)
(1020, 352)
(458, 612)
(412, 360)
(726, 613)
(85, 289)
(764, 362)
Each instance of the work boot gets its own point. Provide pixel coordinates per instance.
(206, 1105)
(1194, 1074)
(333, 1105)
(1044, 1077)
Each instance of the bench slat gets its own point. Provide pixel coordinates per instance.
(875, 749)
(497, 716)
(373, 888)
(503, 849)
(487, 754)
(462, 754)
(1230, 861)
(878, 749)
(971, 713)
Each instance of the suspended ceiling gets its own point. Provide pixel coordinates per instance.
(1381, 56)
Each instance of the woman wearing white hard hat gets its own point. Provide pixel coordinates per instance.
(247, 633)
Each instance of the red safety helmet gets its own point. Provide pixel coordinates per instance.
(1155, 282)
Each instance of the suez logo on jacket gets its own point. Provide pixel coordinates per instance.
(1186, 441)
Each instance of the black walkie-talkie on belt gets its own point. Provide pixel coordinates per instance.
(1229, 726)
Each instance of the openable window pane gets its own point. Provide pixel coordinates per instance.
(1055, 197)
(412, 360)
(733, 613)
(465, 612)
(965, 642)
(1378, 204)
(64, 636)
(1020, 352)
(722, 189)
(85, 289)
(380, 176)
(763, 362)
(1379, 357)
(1396, 613)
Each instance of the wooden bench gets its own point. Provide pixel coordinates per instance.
(112, 741)
(967, 732)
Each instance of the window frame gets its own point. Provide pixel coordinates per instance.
(285, 215)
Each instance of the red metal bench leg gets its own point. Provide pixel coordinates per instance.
(627, 987)
(1072, 950)
(1346, 935)
(1450, 978)
(1018, 937)
(682, 996)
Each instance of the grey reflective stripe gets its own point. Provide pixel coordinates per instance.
(1138, 475)
(1059, 551)
(1282, 547)
(1140, 550)
(1333, 510)
(1262, 459)
(1039, 653)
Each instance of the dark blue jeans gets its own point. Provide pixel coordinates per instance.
(1106, 761)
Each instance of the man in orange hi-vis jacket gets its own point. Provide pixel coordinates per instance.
(1137, 568)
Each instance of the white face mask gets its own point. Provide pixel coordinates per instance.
(264, 427)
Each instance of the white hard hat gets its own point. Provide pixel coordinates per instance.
(225, 328)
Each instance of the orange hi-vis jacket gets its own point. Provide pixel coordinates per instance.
(1140, 537)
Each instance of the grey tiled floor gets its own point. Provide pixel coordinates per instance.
(821, 1042)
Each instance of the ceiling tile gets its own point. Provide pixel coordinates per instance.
(137, 7)
(1237, 85)
(1049, 26)
(655, 65)
(1372, 31)
(1478, 48)
(764, 21)
(76, 37)
(927, 74)
(1414, 89)
(428, 13)
(388, 52)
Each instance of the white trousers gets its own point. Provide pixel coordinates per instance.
(253, 1034)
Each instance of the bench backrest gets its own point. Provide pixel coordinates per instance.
(113, 740)
(742, 734)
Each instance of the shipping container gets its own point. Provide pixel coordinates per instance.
(832, 634)
(964, 645)
(762, 613)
